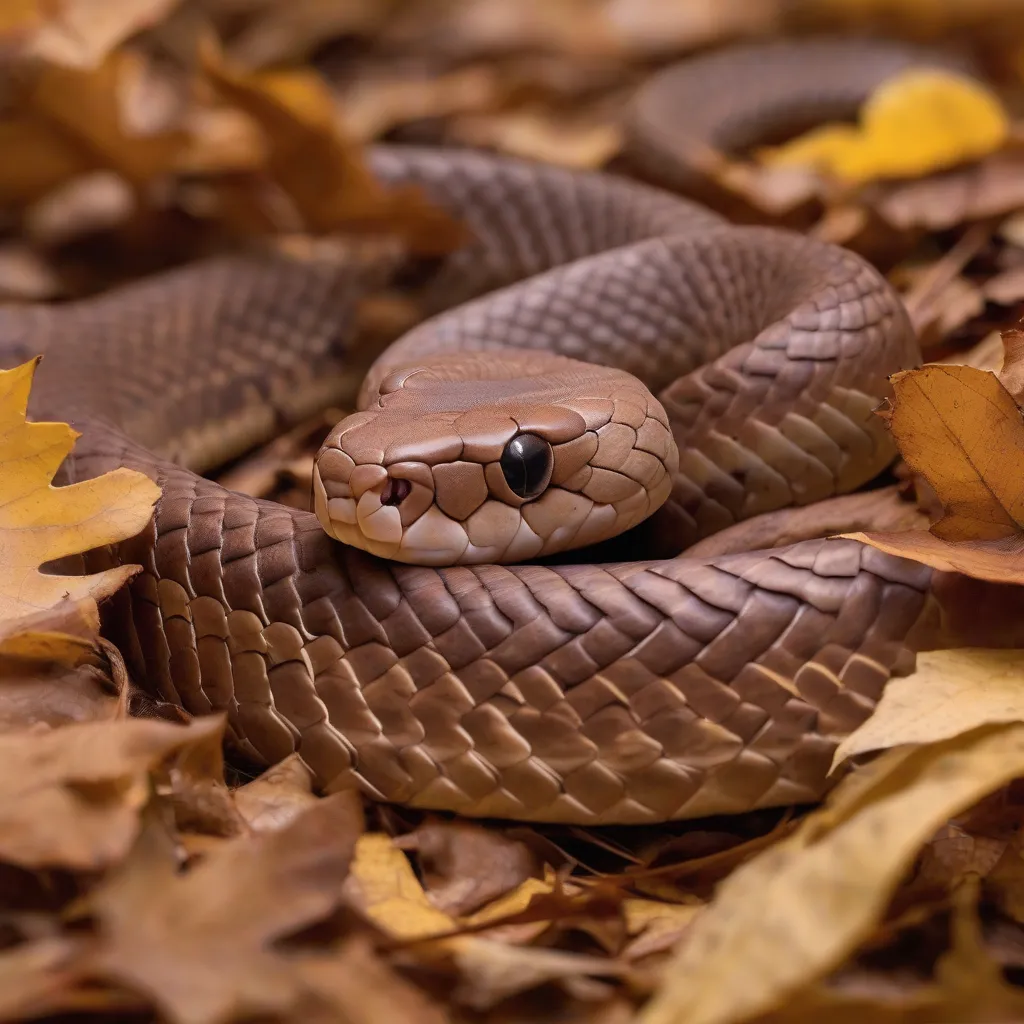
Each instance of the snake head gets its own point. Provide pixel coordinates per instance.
(483, 458)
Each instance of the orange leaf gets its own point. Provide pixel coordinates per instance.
(322, 172)
(960, 428)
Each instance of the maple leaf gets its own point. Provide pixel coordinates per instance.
(199, 943)
(40, 522)
(71, 797)
(919, 121)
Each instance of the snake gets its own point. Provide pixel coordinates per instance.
(444, 629)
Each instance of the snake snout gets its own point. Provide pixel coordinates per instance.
(395, 491)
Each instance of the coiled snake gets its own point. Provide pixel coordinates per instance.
(625, 691)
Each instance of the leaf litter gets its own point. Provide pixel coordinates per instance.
(142, 879)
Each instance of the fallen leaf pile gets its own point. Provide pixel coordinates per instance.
(143, 879)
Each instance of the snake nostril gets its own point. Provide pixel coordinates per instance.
(395, 491)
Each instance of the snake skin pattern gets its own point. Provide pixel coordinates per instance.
(622, 692)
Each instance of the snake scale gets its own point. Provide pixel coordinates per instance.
(616, 692)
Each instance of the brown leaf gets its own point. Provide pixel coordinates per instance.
(961, 429)
(81, 33)
(71, 797)
(198, 943)
(360, 987)
(465, 866)
(53, 669)
(586, 142)
(1005, 288)
(35, 977)
(1011, 372)
(277, 797)
(85, 107)
(492, 972)
(374, 104)
(285, 31)
(322, 173)
(991, 187)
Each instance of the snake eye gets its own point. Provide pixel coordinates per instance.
(527, 462)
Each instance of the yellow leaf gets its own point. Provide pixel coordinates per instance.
(795, 912)
(951, 692)
(40, 522)
(920, 121)
(387, 889)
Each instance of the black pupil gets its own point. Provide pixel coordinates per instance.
(526, 463)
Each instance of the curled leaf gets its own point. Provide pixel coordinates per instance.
(962, 431)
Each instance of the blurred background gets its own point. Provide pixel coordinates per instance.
(141, 133)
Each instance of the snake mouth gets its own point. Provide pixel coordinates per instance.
(395, 491)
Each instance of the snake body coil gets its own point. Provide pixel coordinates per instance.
(619, 692)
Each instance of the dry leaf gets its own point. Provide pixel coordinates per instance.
(921, 120)
(962, 431)
(992, 187)
(1006, 288)
(35, 977)
(370, 107)
(492, 971)
(199, 943)
(540, 135)
(278, 796)
(465, 866)
(68, 122)
(657, 926)
(360, 988)
(323, 173)
(383, 885)
(71, 797)
(285, 31)
(39, 522)
(81, 33)
(950, 692)
(791, 915)
(53, 670)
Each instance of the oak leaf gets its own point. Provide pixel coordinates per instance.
(790, 916)
(40, 522)
(919, 121)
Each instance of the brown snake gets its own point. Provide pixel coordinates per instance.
(626, 691)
